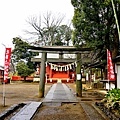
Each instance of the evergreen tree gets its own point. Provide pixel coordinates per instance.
(21, 52)
(23, 69)
(94, 25)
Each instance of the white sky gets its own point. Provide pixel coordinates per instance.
(14, 13)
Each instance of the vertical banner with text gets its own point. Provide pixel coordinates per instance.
(7, 63)
(110, 70)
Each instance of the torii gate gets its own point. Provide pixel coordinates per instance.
(61, 50)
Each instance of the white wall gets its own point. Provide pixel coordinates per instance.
(118, 75)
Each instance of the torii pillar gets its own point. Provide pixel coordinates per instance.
(42, 75)
(79, 76)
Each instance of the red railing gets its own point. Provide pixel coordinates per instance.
(19, 78)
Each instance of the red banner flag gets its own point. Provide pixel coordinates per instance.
(110, 71)
(7, 63)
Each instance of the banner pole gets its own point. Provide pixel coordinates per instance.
(107, 72)
(108, 84)
(4, 93)
(6, 69)
(4, 81)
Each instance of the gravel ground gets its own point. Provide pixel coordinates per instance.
(64, 112)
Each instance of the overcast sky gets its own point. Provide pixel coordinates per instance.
(14, 13)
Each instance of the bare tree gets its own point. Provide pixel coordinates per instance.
(44, 28)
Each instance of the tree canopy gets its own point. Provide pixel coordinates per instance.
(23, 69)
(94, 25)
(21, 52)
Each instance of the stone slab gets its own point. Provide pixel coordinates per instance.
(27, 112)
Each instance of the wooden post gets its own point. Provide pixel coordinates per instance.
(79, 77)
(50, 73)
(42, 75)
(61, 55)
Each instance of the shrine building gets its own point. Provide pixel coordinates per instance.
(59, 67)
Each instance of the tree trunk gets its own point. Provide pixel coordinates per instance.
(24, 78)
(116, 45)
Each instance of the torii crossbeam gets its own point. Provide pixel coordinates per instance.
(61, 50)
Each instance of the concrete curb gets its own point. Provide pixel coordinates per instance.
(11, 110)
(100, 112)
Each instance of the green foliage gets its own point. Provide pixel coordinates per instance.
(94, 25)
(113, 95)
(21, 52)
(112, 99)
(63, 35)
(108, 2)
(23, 69)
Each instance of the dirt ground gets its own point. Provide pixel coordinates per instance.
(68, 111)
(24, 92)
(19, 93)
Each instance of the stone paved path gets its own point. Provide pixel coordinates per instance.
(60, 93)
